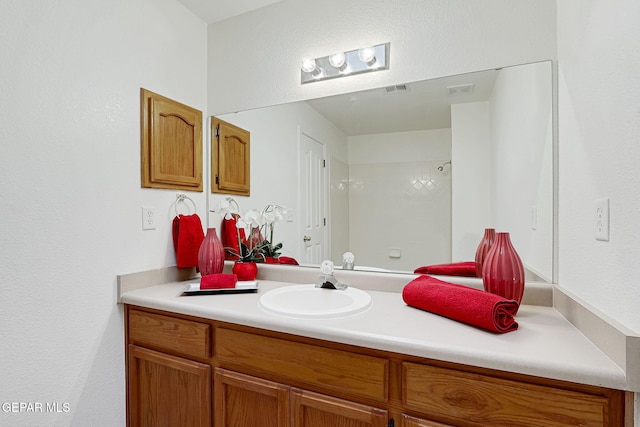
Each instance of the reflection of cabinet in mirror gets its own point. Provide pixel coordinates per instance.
(171, 143)
(229, 158)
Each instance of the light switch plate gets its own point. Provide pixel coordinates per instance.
(602, 220)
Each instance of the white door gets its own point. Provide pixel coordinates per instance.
(312, 200)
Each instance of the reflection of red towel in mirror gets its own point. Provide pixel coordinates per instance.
(187, 238)
(466, 269)
(462, 303)
(229, 237)
(218, 281)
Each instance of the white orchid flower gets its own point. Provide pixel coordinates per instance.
(250, 220)
(228, 207)
(274, 213)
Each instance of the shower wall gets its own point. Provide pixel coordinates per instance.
(399, 201)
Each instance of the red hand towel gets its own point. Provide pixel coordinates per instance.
(187, 238)
(229, 236)
(287, 260)
(218, 281)
(466, 268)
(461, 303)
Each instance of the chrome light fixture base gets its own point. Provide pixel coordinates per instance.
(358, 61)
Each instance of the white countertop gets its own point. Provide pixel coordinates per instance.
(545, 344)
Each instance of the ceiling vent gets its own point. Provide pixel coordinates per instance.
(466, 89)
(396, 88)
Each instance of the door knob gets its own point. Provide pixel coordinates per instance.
(306, 238)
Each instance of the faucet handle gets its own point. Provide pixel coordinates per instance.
(326, 267)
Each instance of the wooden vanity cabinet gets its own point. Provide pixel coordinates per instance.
(246, 401)
(166, 390)
(187, 371)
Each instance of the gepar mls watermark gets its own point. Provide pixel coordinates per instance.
(35, 407)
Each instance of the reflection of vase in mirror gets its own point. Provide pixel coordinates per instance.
(483, 249)
(503, 273)
(499, 159)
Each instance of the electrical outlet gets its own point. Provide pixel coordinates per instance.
(602, 220)
(148, 218)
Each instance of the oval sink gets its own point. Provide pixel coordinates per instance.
(316, 303)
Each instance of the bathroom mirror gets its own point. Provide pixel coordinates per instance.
(413, 172)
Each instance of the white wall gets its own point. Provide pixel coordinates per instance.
(599, 124)
(471, 180)
(339, 208)
(71, 199)
(599, 128)
(254, 59)
(522, 162)
(398, 200)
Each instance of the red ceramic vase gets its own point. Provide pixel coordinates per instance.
(245, 270)
(211, 254)
(503, 272)
(483, 249)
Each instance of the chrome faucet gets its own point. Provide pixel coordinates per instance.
(327, 280)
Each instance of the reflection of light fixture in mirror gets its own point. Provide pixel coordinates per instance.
(340, 64)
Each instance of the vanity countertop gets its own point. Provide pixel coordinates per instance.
(545, 344)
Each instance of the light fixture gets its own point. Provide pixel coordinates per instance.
(367, 55)
(340, 64)
(308, 65)
(338, 60)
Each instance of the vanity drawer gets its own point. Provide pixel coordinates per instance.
(170, 334)
(468, 399)
(333, 369)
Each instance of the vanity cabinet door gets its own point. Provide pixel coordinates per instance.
(310, 409)
(244, 401)
(166, 390)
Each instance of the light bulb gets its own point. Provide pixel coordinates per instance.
(308, 65)
(367, 55)
(337, 59)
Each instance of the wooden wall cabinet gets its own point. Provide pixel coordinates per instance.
(181, 369)
(230, 158)
(171, 143)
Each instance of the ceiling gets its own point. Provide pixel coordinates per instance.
(423, 105)
(217, 10)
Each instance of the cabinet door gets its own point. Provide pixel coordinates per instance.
(230, 158)
(310, 409)
(408, 421)
(166, 390)
(245, 401)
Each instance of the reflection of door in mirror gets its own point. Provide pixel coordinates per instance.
(312, 200)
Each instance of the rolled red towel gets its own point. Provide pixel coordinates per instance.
(218, 281)
(287, 260)
(462, 303)
(465, 268)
